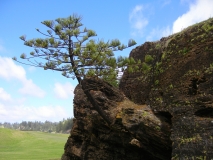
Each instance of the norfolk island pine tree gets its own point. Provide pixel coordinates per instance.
(68, 48)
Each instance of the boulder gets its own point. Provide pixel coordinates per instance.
(136, 132)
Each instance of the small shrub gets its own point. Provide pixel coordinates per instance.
(157, 46)
(163, 55)
(148, 58)
(145, 67)
(185, 51)
(156, 82)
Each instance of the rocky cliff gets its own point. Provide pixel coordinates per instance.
(165, 111)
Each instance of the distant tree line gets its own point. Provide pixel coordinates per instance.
(59, 127)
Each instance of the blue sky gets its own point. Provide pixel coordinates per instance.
(28, 93)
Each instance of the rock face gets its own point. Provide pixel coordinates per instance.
(135, 133)
(179, 82)
(164, 111)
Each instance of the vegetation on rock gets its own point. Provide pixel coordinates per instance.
(179, 83)
(69, 49)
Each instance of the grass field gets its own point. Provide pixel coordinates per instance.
(31, 145)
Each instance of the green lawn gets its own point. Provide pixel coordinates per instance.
(31, 145)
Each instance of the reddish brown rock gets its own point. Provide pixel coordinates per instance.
(179, 83)
(168, 109)
(135, 133)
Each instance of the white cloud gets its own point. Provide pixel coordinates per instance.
(10, 71)
(30, 88)
(2, 49)
(3, 111)
(137, 20)
(165, 2)
(31, 68)
(186, 1)
(22, 113)
(198, 11)
(158, 33)
(14, 110)
(4, 95)
(63, 91)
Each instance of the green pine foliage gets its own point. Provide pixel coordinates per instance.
(70, 48)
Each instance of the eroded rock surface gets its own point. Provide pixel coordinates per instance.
(135, 133)
(179, 82)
